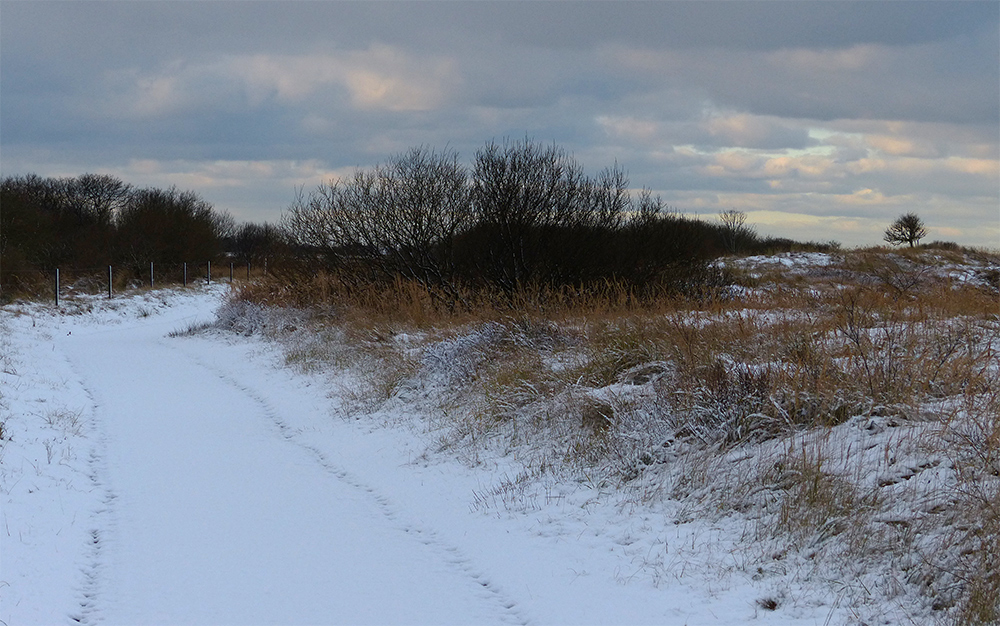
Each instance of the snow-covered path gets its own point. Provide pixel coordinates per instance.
(212, 516)
(199, 480)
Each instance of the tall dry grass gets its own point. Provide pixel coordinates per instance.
(829, 405)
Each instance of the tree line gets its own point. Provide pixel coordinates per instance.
(96, 220)
(522, 216)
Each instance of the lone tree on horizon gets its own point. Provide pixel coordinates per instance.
(908, 228)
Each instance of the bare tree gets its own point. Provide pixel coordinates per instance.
(168, 226)
(313, 224)
(398, 218)
(539, 217)
(253, 243)
(735, 231)
(418, 203)
(646, 209)
(908, 228)
(98, 195)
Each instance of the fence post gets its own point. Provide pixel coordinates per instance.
(57, 286)
(209, 272)
(150, 274)
(109, 282)
(185, 274)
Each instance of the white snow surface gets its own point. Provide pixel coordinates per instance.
(150, 479)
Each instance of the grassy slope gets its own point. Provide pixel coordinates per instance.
(843, 408)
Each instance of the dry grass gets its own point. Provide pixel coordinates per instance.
(845, 410)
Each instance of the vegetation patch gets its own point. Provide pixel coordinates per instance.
(849, 418)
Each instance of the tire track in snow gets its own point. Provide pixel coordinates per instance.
(452, 556)
(103, 517)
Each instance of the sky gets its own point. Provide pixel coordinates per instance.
(821, 120)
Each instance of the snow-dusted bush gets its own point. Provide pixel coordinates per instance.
(250, 318)
(454, 361)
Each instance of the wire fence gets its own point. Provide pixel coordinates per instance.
(60, 283)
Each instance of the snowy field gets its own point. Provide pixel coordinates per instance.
(156, 476)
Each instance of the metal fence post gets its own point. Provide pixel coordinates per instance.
(109, 282)
(230, 273)
(185, 274)
(57, 286)
(209, 272)
(150, 274)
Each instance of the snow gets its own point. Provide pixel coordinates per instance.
(790, 260)
(152, 478)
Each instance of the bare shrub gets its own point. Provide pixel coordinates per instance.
(736, 233)
(249, 318)
(896, 273)
(65, 420)
(539, 219)
(400, 218)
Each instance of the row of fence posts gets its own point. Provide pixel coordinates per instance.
(208, 277)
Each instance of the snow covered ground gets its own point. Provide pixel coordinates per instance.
(156, 477)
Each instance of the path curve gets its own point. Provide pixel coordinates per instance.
(214, 513)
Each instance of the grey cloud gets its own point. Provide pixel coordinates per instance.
(610, 82)
(870, 82)
(518, 48)
(753, 25)
(153, 30)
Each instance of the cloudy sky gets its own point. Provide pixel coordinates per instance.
(822, 120)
